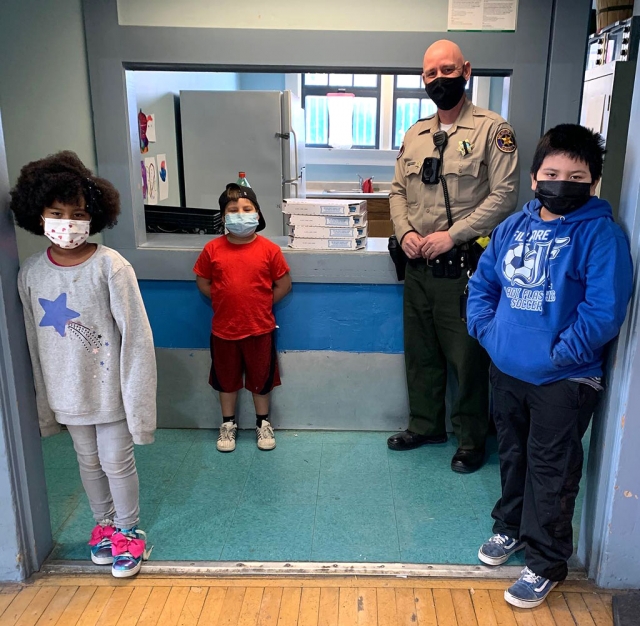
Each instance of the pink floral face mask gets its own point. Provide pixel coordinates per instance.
(67, 234)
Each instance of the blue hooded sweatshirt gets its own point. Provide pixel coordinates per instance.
(548, 297)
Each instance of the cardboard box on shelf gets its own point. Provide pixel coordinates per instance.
(327, 244)
(320, 206)
(327, 232)
(328, 220)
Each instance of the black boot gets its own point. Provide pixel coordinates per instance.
(467, 461)
(407, 440)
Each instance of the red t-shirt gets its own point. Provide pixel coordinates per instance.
(242, 277)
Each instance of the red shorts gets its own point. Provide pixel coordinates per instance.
(255, 357)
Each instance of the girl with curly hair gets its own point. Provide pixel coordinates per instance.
(91, 346)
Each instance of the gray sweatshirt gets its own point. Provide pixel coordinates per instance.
(90, 343)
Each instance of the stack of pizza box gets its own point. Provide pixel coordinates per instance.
(319, 224)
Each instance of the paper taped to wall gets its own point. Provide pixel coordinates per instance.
(152, 180)
(163, 180)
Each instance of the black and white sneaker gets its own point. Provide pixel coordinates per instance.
(265, 437)
(227, 437)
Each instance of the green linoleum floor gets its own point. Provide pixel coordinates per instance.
(319, 496)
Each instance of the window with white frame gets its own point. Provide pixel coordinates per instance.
(383, 107)
(322, 95)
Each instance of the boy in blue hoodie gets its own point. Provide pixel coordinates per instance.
(551, 291)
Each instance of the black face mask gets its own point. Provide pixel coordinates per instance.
(446, 92)
(562, 196)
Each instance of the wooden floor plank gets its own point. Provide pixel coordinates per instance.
(607, 600)
(387, 610)
(289, 606)
(406, 607)
(231, 607)
(348, 606)
(37, 607)
(134, 606)
(11, 588)
(154, 606)
(542, 615)
(251, 606)
(445, 610)
(309, 606)
(57, 606)
(192, 607)
(95, 607)
(6, 598)
(114, 608)
(212, 609)
(81, 598)
(173, 606)
(502, 609)
(270, 607)
(329, 606)
(524, 617)
(579, 609)
(309, 581)
(425, 607)
(598, 611)
(559, 609)
(484, 608)
(463, 606)
(257, 604)
(367, 607)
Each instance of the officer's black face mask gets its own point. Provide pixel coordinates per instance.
(446, 92)
(562, 197)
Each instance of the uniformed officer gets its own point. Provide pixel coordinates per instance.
(482, 177)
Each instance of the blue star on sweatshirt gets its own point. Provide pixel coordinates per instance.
(56, 313)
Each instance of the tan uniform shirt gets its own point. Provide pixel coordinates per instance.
(481, 170)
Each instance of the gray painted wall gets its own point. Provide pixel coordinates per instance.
(610, 542)
(368, 392)
(25, 532)
(44, 87)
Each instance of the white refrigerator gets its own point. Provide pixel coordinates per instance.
(260, 133)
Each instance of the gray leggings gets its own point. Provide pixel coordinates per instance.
(108, 471)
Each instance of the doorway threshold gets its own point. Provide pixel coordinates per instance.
(309, 568)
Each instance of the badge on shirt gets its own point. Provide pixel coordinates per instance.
(465, 147)
(506, 140)
(400, 152)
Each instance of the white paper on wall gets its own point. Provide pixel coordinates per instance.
(152, 180)
(163, 177)
(482, 15)
(151, 127)
(595, 112)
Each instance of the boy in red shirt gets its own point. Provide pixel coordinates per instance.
(244, 275)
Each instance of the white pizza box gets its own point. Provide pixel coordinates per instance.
(328, 232)
(329, 220)
(298, 243)
(320, 206)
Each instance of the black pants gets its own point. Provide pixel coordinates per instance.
(540, 430)
(436, 342)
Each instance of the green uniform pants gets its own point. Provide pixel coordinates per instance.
(435, 342)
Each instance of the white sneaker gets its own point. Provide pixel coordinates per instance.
(227, 437)
(265, 437)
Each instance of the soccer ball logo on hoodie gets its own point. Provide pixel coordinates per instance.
(527, 266)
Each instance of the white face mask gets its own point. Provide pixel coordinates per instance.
(67, 234)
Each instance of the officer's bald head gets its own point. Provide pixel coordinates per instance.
(444, 58)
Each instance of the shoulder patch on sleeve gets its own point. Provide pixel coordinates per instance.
(400, 152)
(506, 140)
